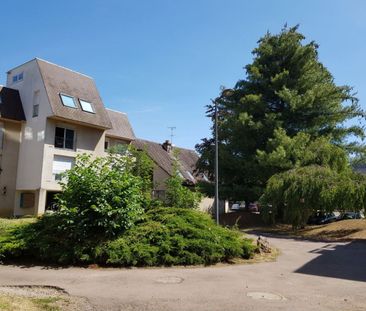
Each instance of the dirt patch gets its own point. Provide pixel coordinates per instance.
(344, 230)
(242, 219)
(38, 298)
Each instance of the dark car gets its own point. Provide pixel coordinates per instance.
(321, 218)
(352, 215)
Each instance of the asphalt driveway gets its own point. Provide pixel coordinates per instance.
(306, 276)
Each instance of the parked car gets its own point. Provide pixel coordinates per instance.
(352, 215)
(237, 206)
(321, 218)
(253, 207)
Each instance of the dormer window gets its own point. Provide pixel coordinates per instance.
(68, 101)
(86, 106)
(17, 78)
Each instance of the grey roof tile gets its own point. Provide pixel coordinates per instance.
(121, 127)
(58, 80)
(187, 159)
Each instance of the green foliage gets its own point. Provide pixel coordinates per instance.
(294, 195)
(177, 194)
(100, 197)
(175, 236)
(180, 196)
(165, 236)
(287, 97)
(284, 152)
(140, 165)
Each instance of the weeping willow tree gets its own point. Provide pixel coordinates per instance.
(292, 196)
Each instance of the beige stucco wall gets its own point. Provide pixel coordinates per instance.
(160, 177)
(87, 140)
(9, 164)
(206, 205)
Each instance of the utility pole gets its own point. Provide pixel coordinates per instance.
(216, 166)
(172, 128)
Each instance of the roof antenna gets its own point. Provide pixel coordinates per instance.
(172, 128)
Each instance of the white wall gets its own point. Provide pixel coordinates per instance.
(33, 131)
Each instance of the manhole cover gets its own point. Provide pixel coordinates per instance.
(170, 280)
(266, 296)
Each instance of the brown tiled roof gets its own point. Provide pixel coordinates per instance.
(10, 104)
(187, 158)
(62, 80)
(121, 127)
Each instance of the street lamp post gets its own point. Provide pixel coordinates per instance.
(216, 167)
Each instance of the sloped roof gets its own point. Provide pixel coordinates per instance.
(10, 104)
(187, 159)
(58, 80)
(121, 127)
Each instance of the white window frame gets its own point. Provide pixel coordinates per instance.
(69, 96)
(56, 171)
(83, 108)
(64, 139)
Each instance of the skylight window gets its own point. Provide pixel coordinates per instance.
(68, 101)
(86, 106)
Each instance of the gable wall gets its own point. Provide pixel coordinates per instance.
(33, 131)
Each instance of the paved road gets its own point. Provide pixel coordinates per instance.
(306, 276)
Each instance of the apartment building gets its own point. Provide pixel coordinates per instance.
(48, 115)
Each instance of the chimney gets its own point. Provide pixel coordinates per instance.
(167, 145)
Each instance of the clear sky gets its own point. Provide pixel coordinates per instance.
(161, 61)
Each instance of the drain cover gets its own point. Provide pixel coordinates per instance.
(266, 296)
(170, 280)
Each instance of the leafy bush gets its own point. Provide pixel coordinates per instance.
(101, 220)
(140, 165)
(175, 236)
(99, 197)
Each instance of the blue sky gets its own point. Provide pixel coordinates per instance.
(161, 61)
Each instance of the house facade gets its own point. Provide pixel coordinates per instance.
(166, 158)
(48, 115)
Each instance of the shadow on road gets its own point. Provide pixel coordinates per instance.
(342, 261)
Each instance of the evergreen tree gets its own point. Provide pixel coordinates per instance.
(287, 92)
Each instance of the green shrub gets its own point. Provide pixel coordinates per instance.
(100, 197)
(165, 236)
(175, 236)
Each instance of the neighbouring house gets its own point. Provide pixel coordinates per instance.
(165, 156)
(48, 115)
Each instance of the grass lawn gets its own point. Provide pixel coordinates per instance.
(19, 303)
(344, 230)
(8, 223)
